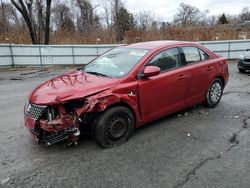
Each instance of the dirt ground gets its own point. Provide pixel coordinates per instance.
(197, 147)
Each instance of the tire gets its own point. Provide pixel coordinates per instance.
(214, 93)
(242, 70)
(114, 127)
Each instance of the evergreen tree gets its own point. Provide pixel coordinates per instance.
(223, 19)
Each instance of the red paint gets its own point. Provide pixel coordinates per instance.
(150, 98)
(150, 71)
(73, 85)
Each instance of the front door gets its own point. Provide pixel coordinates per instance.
(165, 93)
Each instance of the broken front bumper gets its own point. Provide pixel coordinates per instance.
(63, 128)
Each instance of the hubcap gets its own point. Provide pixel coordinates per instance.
(118, 127)
(215, 92)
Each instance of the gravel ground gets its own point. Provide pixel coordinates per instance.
(197, 147)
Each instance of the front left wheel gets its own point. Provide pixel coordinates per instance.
(114, 126)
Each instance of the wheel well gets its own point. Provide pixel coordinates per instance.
(124, 105)
(222, 79)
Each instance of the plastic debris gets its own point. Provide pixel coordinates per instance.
(236, 117)
(5, 180)
(188, 134)
(233, 139)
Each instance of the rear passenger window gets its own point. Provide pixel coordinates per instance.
(204, 55)
(166, 60)
(192, 54)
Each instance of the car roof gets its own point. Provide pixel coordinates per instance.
(158, 44)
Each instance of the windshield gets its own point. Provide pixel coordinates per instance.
(115, 63)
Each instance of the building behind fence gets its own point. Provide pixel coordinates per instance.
(39, 55)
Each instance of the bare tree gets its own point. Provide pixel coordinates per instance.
(116, 6)
(211, 20)
(107, 6)
(86, 20)
(62, 17)
(245, 14)
(144, 20)
(47, 22)
(5, 26)
(8, 16)
(188, 15)
(26, 10)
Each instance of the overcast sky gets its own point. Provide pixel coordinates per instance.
(165, 9)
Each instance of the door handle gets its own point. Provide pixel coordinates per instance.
(210, 68)
(182, 76)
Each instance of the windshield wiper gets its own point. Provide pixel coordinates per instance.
(97, 73)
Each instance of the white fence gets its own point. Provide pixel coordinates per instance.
(230, 49)
(38, 55)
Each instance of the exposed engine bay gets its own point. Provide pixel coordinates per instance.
(62, 122)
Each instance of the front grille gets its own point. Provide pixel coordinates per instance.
(247, 60)
(35, 111)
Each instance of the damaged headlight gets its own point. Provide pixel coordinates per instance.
(26, 105)
(33, 110)
(72, 105)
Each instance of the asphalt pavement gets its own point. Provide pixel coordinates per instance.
(197, 147)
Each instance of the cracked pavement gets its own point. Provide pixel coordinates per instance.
(197, 147)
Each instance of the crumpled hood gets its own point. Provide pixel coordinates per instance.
(73, 85)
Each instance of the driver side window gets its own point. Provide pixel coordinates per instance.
(166, 60)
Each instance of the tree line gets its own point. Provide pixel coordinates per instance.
(43, 18)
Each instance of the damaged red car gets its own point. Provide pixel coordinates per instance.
(123, 89)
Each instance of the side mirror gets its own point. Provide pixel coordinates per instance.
(150, 71)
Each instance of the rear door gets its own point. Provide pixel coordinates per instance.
(165, 93)
(199, 67)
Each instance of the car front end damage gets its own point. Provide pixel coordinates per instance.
(66, 121)
(54, 123)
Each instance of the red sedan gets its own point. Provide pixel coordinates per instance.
(124, 89)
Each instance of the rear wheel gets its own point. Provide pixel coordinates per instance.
(114, 127)
(214, 93)
(242, 70)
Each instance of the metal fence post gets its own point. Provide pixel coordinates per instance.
(229, 49)
(73, 54)
(97, 51)
(40, 55)
(12, 57)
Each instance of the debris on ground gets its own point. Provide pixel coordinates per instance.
(196, 137)
(233, 139)
(237, 117)
(16, 79)
(5, 180)
(246, 123)
(188, 134)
